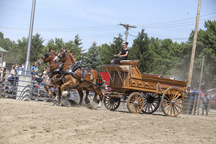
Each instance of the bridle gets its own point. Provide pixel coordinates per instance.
(46, 56)
(63, 54)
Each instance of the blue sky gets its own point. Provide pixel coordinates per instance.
(97, 20)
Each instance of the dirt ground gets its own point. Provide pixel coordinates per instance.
(39, 122)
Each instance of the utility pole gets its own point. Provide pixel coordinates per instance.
(200, 81)
(127, 27)
(194, 45)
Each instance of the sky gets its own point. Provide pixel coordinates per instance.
(98, 20)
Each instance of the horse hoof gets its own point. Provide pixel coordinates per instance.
(90, 106)
(55, 104)
(98, 107)
(96, 101)
(62, 105)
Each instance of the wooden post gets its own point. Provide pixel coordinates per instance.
(194, 45)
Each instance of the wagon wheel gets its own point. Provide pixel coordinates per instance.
(172, 101)
(151, 103)
(111, 103)
(135, 102)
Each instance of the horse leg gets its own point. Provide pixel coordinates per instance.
(87, 101)
(95, 98)
(65, 85)
(81, 96)
(49, 93)
(47, 89)
(59, 95)
(98, 91)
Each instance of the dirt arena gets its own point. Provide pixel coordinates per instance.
(39, 122)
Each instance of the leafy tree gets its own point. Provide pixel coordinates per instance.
(92, 59)
(1, 35)
(107, 52)
(36, 48)
(77, 47)
(140, 51)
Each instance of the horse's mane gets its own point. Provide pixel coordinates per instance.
(71, 57)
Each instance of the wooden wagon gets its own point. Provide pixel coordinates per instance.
(143, 92)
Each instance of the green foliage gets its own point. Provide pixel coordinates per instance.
(92, 59)
(1, 35)
(36, 48)
(107, 52)
(140, 50)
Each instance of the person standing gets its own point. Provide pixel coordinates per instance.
(192, 98)
(13, 74)
(122, 55)
(34, 70)
(205, 104)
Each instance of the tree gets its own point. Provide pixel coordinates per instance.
(36, 48)
(107, 52)
(92, 59)
(78, 48)
(140, 51)
(13, 54)
(1, 35)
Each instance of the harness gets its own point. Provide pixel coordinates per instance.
(56, 70)
(72, 70)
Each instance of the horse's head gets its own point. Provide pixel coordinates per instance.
(61, 56)
(45, 57)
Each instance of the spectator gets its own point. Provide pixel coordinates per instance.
(20, 69)
(1, 73)
(46, 75)
(205, 104)
(34, 70)
(13, 74)
(43, 72)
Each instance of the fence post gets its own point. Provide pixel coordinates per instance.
(2, 86)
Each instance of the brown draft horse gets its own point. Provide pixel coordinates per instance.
(48, 57)
(90, 80)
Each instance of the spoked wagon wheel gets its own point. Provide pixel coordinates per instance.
(111, 103)
(172, 101)
(151, 103)
(135, 102)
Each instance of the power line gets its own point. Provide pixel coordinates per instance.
(98, 28)
(176, 20)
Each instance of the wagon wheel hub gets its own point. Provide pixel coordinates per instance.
(112, 100)
(150, 99)
(136, 103)
(173, 102)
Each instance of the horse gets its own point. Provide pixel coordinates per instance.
(55, 75)
(48, 56)
(79, 78)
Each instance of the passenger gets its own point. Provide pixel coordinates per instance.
(34, 70)
(123, 54)
(13, 74)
